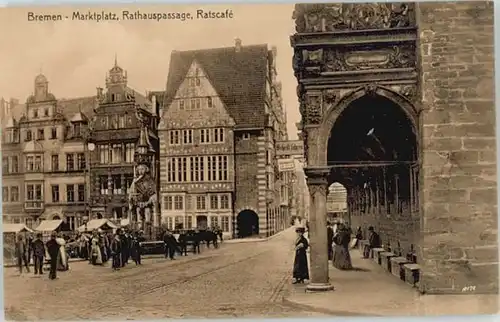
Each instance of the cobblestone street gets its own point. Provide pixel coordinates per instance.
(240, 279)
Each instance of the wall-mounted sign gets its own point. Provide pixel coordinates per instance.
(285, 165)
(295, 147)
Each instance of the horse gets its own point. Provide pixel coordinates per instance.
(209, 236)
(189, 238)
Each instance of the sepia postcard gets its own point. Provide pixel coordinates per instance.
(248, 160)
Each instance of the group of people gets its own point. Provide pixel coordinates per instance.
(119, 247)
(339, 237)
(34, 248)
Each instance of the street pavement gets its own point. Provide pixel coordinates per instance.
(236, 280)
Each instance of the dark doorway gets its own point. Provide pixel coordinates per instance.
(201, 222)
(248, 223)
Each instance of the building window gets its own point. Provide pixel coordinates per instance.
(181, 104)
(168, 202)
(170, 223)
(201, 203)
(121, 122)
(178, 202)
(214, 202)
(179, 170)
(5, 165)
(214, 221)
(81, 161)
(129, 152)
(174, 160)
(70, 162)
(196, 169)
(103, 185)
(14, 194)
(225, 223)
(38, 164)
(197, 81)
(202, 168)
(15, 164)
(268, 158)
(46, 112)
(116, 153)
(70, 193)
(55, 162)
(210, 103)
(29, 222)
(224, 202)
(214, 167)
(55, 193)
(222, 166)
(218, 135)
(5, 194)
(28, 136)
(81, 193)
(189, 222)
(34, 192)
(35, 113)
(170, 175)
(53, 133)
(189, 202)
(41, 134)
(188, 136)
(184, 169)
(116, 184)
(103, 153)
(202, 136)
(179, 222)
(174, 137)
(30, 163)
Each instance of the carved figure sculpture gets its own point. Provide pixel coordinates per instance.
(142, 195)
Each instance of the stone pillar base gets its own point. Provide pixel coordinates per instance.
(319, 287)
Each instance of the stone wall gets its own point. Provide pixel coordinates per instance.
(458, 243)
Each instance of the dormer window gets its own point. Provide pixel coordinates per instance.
(209, 102)
(46, 112)
(77, 130)
(198, 82)
(35, 113)
(181, 104)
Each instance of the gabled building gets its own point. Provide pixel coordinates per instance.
(222, 114)
(43, 159)
(116, 129)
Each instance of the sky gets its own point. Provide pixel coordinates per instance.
(75, 55)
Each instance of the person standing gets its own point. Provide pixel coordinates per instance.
(38, 254)
(29, 246)
(53, 251)
(374, 242)
(21, 253)
(170, 245)
(116, 252)
(300, 268)
(341, 256)
(329, 238)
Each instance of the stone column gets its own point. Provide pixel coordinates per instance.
(318, 185)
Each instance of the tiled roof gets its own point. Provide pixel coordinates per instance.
(71, 107)
(239, 77)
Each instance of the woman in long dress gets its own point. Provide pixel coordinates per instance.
(95, 250)
(300, 268)
(341, 257)
(62, 260)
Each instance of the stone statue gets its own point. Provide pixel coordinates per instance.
(142, 195)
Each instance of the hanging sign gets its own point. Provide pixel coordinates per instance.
(295, 147)
(285, 165)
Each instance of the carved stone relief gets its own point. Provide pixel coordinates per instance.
(326, 17)
(317, 190)
(340, 60)
(330, 98)
(313, 109)
(409, 91)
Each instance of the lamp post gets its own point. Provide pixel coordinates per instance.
(89, 147)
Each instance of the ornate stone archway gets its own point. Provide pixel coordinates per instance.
(335, 65)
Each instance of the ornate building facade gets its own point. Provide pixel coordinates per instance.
(412, 141)
(222, 114)
(115, 133)
(43, 158)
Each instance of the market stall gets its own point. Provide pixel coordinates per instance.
(46, 227)
(10, 232)
(96, 224)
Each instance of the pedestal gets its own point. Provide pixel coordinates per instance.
(318, 185)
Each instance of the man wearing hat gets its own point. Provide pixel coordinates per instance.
(53, 250)
(38, 254)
